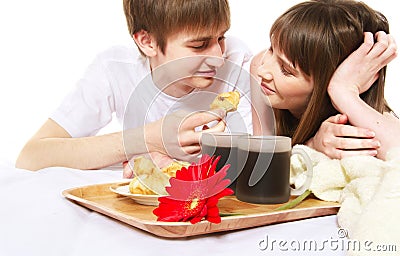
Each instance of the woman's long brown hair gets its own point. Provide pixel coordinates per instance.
(317, 36)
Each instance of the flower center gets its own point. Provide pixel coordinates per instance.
(194, 203)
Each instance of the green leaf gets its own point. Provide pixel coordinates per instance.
(229, 214)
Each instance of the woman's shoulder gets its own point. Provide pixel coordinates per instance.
(256, 60)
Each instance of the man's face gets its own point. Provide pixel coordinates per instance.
(189, 62)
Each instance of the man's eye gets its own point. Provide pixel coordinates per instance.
(199, 46)
(221, 38)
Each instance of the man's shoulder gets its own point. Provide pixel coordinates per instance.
(122, 54)
(232, 40)
(234, 46)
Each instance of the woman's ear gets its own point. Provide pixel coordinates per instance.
(146, 43)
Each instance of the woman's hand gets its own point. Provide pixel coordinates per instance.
(337, 139)
(360, 70)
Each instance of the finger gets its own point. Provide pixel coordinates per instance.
(202, 118)
(392, 43)
(333, 119)
(186, 152)
(127, 172)
(338, 119)
(382, 37)
(343, 130)
(385, 48)
(391, 51)
(343, 119)
(339, 154)
(382, 43)
(219, 127)
(367, 45)
(192, 149)
(356, 144)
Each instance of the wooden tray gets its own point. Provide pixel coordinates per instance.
(101, 199)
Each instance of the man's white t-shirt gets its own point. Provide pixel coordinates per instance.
(119, 82)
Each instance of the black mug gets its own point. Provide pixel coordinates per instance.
(264, 164)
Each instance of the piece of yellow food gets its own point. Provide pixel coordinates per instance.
(227, 101)
(136, 187)
(148, 176)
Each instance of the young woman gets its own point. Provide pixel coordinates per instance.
(308, 43)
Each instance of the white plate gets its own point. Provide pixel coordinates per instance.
(123, 190)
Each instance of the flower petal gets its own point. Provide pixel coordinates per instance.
(213, 212)
(216, 219)
(194, 193)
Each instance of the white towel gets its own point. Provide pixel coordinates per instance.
(368, 190)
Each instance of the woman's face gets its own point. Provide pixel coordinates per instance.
(283, 85)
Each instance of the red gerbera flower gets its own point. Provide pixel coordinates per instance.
(194, 193)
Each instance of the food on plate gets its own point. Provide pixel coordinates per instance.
(136, 187)
(227, 101)
(149, 179)
(173, 167)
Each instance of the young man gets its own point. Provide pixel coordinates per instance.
(160, 90)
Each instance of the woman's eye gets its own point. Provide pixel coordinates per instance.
(221, 38)
(285, 72)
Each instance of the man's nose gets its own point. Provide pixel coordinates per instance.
(214, 61)
(215, 52)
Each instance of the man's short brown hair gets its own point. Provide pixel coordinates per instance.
(162, 18)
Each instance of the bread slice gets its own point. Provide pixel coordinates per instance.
(227, 101)
(149, 179)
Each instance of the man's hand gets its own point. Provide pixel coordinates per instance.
(158, 159)
(176, 135)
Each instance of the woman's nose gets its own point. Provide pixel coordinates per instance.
(263, 72)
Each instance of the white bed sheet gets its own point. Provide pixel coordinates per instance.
(35, 219)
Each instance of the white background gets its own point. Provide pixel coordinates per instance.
(46, 45)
